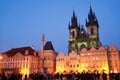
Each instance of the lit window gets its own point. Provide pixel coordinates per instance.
(88, 53)
(74, 65)
(82, 65)
(96, 58)
(82, 54)
(86, 65)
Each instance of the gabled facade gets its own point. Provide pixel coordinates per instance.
(65, 63)
(100, 59)
(114, 58)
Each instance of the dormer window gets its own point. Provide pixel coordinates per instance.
(26, 52)
(34, 53)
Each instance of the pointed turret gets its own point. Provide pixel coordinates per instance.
(74, 23)
(73, 27)
(92, 20)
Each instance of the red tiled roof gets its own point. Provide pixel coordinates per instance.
(22, 50)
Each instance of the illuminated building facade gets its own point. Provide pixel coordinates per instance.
(26, 60)
(68, 63)
(22, 60)
(94, 59)
(85, 51)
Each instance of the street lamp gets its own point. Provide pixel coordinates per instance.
(0, 62)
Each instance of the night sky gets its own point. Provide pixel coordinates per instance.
(22, 22)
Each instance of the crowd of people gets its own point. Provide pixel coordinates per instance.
(63, 76)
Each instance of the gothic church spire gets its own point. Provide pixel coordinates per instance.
(74, 20)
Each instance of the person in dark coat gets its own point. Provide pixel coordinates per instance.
(41, 76)
(96, 75)
(104, 76)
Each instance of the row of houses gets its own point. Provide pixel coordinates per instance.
(26, 60)
(101, 59)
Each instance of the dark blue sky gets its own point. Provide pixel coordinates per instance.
(22, 22)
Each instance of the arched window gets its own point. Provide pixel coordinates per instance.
(92, 32)
(82, 46)
(73, 34)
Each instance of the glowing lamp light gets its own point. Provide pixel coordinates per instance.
(24, 71)
(115, 71)
(60, 70)
(111, 71)
(0, 57)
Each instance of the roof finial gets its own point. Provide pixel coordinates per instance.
(90, 9)
(74, 14)
(43, 36)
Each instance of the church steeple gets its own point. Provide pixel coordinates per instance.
(74, 20)
(92, 29)
(74, 29)
(92, 20)
(73, 26)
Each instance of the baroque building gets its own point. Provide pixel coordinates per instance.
(22, 60)
(85, 51)
(26, 60)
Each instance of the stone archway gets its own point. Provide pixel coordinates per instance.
(82, 46)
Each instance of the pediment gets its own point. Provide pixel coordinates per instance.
(83, 50)
(18, 54)
(93, 49)
(113, 48)
(102, 48)
(73, 53)
(4, 56)
(61, 54)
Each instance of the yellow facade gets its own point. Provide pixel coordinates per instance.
(68, 63)
(93, 59)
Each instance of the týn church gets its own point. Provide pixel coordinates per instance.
(85, 51)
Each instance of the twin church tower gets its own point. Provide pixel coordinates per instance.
(79, 38)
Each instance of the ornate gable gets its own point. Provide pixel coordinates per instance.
(18, 54)
(102, 48)
(113, 48)
(4, 56)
